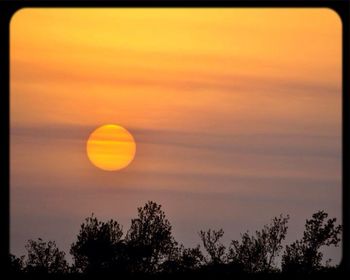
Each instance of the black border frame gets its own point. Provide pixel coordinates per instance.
(9, 7)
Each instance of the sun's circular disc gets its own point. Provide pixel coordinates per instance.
(111, 147)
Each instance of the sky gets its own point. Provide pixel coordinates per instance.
(236, 114)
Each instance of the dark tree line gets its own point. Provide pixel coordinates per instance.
(149, 247)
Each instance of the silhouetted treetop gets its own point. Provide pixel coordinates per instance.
(97, 245)
(150, 240)
(258, 253)
(213, 246)
(304, 255)
(191, 258)
(45, 257)
(16, 264)
(183, 260)
(149, 249)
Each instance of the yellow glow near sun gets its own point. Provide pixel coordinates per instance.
(111, 147)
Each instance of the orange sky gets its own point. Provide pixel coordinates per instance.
(249, 97)
(93, 61)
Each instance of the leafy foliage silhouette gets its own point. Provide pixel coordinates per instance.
(44, 257)
(149, 248)
(304, 255)
(149, 239)
(98, 245)
(213, 246)
(183, 260)
(258, 253)
(16, 264)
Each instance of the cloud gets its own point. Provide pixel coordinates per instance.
(303, 144)
(194, 80)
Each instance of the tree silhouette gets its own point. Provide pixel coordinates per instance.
(149, 239)
(44, 257)
(98, 246)
(16, 264)
(258, 253)
(191, 258)
(213, 246)
(304, 255)
(183, 260)
(149, 248)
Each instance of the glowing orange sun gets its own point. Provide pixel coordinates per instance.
(111, 147)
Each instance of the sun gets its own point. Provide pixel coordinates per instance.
(111, 147)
